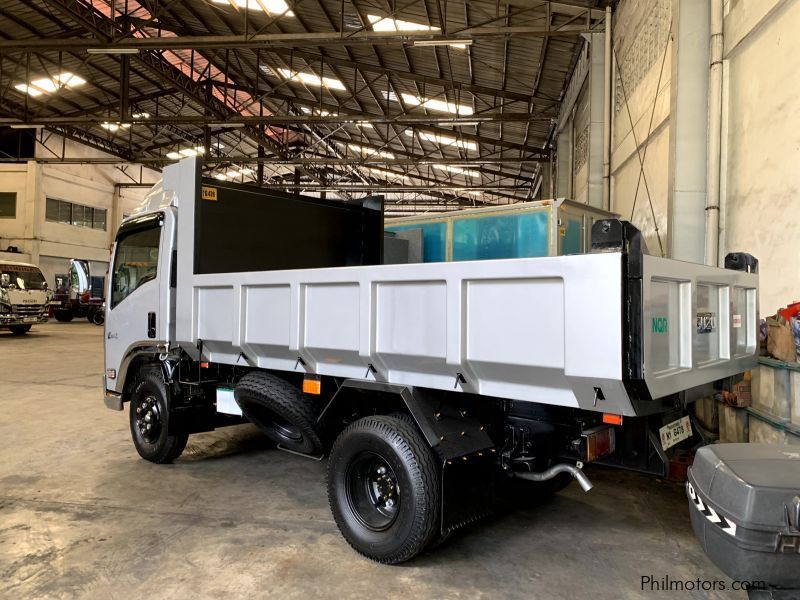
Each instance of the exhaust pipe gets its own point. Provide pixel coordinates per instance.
(575, 471)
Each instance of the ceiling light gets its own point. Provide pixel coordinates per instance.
(141, 115)
(460, 44)
(232, 174)
(221, 176)
(273, 7)
(112, 50)
(437, 105)
(218, 145)
(188, 152)
(114, 126)
(200, 149)
(457, 170)
(369, 151)
(48, 85)
(312, 79)
(24, 126)
(444, 140)
(174, 155)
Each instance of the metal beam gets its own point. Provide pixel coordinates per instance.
(286, 40)
(201, 120)
(322, 161)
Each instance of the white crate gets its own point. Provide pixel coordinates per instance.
(772, 391)
(765, 430)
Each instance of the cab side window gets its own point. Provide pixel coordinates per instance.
(135, 263)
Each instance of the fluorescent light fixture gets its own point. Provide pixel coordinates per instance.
(459, 44)
(445, 140)
(457, 170)
(141, 115)
(273, 7)
(112, 127)
(236, 125)
(112, 50)
(48, 85)
(221, 176)
(200, 149)
(23, 126)
(369, 151)
(174, 155)
(312, 79)
(437, 105)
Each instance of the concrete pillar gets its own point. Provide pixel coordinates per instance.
(688, 130)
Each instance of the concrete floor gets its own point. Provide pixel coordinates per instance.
(81, 515)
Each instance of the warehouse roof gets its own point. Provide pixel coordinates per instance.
(451, 101)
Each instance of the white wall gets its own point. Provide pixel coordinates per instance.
(642, 46)
(51, 245)
(761, 177)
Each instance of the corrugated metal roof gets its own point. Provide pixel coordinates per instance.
(496, 75)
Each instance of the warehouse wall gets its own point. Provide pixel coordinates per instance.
(642, 45)
(761, 151)
(50, 244)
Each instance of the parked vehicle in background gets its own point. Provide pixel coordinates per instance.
(24, 297)
(78, 294)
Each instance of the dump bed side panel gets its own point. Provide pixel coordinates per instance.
(700, 324)
(544, 330)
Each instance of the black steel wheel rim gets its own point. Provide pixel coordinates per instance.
(373, 491)
(149, 419)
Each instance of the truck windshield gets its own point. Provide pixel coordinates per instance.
(24, 278)
(135, 262)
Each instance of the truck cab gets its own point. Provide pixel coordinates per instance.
(24, 297)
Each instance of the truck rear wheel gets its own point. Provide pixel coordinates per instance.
(63, 316)
(280, 410)
(384, 489)
(20, 329)
(149, 420)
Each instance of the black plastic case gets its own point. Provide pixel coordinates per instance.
(745, 510)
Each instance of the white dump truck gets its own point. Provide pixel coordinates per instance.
(431, 387)
(24, 297)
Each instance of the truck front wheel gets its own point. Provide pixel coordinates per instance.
(63, 316)
(149, 419)
(20, 329)
(384, 489)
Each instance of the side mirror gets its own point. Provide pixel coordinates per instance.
(5, 280)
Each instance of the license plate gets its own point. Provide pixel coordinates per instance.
(30, 319)
(675, 432)
(55, 303)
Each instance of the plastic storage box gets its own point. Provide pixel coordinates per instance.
(745, 510)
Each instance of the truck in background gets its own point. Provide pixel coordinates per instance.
(433, 387)
(78, 294)
(24, 297)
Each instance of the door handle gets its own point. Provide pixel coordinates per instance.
(151, 325)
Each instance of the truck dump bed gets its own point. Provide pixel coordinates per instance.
(566, 331)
